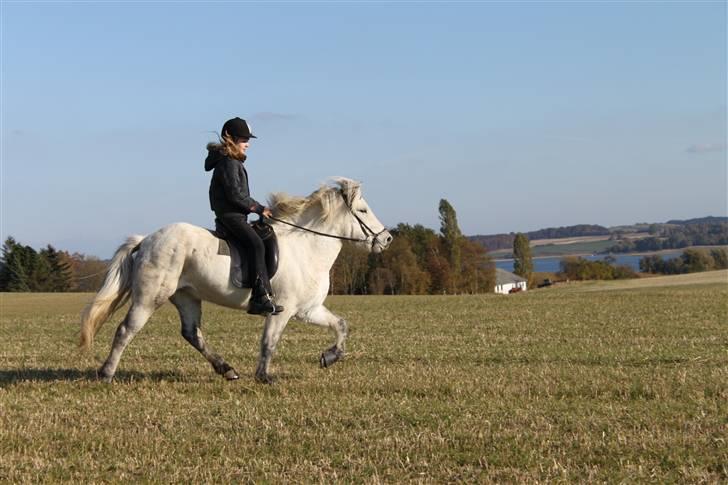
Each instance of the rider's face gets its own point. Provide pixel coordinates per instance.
(243, 144)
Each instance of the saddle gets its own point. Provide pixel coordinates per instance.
(241, 274)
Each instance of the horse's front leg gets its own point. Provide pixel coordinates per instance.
(324, 317)
(274, 326)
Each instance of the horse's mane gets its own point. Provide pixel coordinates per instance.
(290, 206)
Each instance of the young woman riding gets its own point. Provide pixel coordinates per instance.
(231, 201)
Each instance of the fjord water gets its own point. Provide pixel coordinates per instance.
(551, 264)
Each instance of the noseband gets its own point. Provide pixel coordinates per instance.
(368, 232)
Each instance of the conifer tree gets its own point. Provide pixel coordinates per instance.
(14, 274)
(59, 278)
(523, 263)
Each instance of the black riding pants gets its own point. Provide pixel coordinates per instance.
(238, 225)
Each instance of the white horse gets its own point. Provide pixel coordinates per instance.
(180, 263)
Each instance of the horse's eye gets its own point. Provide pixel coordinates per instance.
(364, 211)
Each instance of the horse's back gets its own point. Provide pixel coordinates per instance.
(189, 255)
(175, 246)
(180, 235)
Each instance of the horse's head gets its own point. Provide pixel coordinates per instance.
(359, 220)
(337, 209)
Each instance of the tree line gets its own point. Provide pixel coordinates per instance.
(577, 268)
(22, 268)
(505, 241)
(690, 261)
(419, 261)
(677, 237)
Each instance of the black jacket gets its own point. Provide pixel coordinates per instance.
(229, 191)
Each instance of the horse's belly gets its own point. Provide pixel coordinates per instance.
(211, 282)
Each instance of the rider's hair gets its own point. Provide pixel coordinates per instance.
(227, 147)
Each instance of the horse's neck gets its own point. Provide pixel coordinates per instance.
(322, 251)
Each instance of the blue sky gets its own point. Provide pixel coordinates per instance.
(523, 116)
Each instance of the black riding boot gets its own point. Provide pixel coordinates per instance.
(261, 302)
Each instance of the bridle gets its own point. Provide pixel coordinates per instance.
(364, 228)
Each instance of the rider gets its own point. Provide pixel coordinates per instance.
(230, 199)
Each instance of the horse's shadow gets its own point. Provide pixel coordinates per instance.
(13, 376)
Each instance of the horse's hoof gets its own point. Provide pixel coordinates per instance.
(104, 377)
(330, 357)
(231, 375)
(264, 379)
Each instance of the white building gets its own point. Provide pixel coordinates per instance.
(506, 281)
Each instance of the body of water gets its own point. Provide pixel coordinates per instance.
(551, 264)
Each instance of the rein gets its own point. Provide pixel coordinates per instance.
(317, 232)
(364, 228)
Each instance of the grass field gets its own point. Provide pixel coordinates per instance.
(563, 384)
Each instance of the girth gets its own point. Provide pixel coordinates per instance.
(240, 269)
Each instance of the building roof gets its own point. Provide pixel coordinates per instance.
(503, 277)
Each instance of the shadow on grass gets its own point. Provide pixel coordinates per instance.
(13, 376)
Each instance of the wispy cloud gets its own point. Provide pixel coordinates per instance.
(270, 116)
(706, 147)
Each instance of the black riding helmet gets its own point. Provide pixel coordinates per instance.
(237, 128)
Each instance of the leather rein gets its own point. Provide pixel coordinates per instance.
(364, 228)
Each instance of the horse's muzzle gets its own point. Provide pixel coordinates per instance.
(381, 241)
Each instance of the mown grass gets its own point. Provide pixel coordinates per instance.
(551, 385)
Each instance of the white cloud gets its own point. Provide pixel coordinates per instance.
(269, 116)
(706, 147)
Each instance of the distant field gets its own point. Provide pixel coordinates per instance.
(570, 383)
(563, 248)
(706, 278)
(568, 240)
(575, 248)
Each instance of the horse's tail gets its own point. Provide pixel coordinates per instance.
(113, 294)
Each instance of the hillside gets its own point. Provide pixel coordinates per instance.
(594, 238)
(505, 241)
(704, 278)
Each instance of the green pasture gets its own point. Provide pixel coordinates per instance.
(567, 249)
(564, 384)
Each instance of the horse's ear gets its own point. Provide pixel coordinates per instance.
(349, 189)
(354, 191)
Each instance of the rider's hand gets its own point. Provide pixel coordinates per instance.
(267, 213)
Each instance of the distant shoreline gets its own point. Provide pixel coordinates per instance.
(642, 253)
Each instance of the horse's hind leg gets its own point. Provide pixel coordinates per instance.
(190, 312)
(133, 322)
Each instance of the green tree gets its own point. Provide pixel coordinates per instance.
(695, 260)
(523, 264)
(419, 237)
(452, 238)
(720, 258)
(59, 277)
(14, 267)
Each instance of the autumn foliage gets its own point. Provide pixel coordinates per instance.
(419, 261)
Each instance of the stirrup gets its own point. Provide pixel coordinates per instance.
(264, 309)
